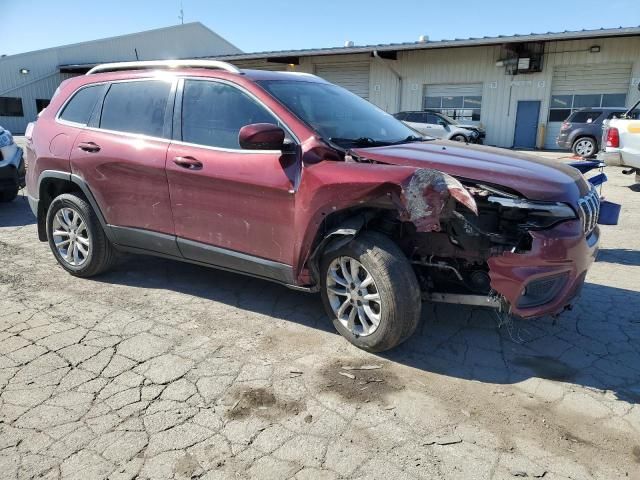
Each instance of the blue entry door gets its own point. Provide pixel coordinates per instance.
(526, 124)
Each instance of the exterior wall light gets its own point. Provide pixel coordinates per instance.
(595, 49)
(24, 71)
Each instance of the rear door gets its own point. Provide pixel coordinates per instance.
(121, 155)
(436, 126)
(231, 207)
(417, 121)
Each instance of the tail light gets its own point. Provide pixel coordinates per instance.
(28, 133)
(613, 137)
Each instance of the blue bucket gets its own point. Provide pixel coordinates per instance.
(609, 213)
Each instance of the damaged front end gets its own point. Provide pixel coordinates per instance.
(485, 245)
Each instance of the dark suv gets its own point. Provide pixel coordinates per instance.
(582, 130)
(289, 178)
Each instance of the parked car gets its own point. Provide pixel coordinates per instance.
(438, 125)
(621, 141)
(12, 171)
(582, 130)
(286, 177)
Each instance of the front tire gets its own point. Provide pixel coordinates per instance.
(76, 237)
(459, 138)
(370, 292)
(585, 147)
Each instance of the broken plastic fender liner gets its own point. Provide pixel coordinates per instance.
(425, 197)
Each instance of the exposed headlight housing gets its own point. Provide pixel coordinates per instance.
(538, 214)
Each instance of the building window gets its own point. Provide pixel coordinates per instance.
(562, 106)
(11, 107)
(458, 107)
(41, 104)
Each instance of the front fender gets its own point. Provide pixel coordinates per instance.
(423, 197)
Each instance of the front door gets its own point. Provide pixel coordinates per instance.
(526, 124)
(231, 207)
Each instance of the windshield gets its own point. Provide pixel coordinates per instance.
(339, 115)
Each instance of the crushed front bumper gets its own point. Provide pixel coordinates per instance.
(554, 269)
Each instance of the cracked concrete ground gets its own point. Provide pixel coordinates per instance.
(166, 370)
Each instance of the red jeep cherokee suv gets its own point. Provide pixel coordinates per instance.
(289, 178)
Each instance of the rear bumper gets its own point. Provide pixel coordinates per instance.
(561, 256)
(563, 142)
(611, 156)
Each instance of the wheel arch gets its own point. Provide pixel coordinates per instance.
(338, 229)
(52, 183)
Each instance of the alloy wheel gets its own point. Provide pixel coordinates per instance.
(71, 237)
(354, 296)
(584, 148)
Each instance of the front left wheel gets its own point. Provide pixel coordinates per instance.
(76, 237)
(370, 292)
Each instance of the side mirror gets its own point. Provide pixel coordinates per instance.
(639, 86)
(442, 123)
(261, 136)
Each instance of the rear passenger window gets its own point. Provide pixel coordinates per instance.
(136, 107)
(79, 108)
(213, 113)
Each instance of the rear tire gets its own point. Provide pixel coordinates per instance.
(8, 195)
(394, 283)
(76, 237)
(585, 147)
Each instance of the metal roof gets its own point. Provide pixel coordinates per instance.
(458, 42)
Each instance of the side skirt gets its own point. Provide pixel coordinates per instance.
(145, 242)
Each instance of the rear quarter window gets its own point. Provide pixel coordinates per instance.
(585, 117)
(81, 105)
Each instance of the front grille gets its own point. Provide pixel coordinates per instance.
(589, 210)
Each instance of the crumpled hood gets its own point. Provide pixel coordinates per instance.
(534, 177)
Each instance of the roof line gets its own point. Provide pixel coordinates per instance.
(219, 36)
(468, 42)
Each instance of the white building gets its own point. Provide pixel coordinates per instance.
(28, 80)
(519, 88)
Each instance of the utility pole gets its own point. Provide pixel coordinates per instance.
(181, 16)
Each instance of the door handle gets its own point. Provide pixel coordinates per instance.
(89, 147)
(188, 162)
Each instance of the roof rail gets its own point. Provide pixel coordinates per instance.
(212, 64)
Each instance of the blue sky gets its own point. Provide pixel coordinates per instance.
(257, 25)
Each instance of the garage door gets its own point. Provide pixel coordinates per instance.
(460, 101)
(353, 77)
(580, 86)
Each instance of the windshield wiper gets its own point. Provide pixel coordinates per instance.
(358, 142)
(411, 138)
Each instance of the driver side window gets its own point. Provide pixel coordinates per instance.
(213, 113)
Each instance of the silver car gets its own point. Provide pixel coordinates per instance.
(438, 125)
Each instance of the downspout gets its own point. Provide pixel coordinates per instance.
(396, 73)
